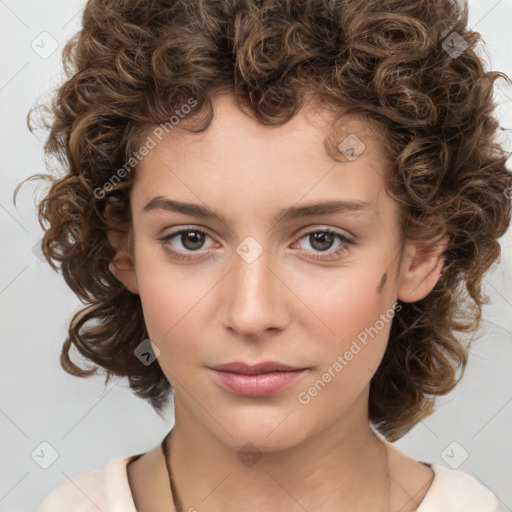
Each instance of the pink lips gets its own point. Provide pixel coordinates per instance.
(262, 379)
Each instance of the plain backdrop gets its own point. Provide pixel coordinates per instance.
(54, 426)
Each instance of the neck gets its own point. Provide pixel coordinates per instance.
(343, 467)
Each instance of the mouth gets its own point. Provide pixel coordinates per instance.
(258, 380)
(255, 369)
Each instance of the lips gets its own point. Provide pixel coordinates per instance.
(256, 369)
(261, 379)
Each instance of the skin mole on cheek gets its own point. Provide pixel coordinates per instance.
(382, 282)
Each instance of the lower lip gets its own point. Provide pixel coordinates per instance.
(264, 384)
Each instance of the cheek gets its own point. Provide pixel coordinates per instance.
(357, 316)
(344, 306)
(169, 292)
(171, 308)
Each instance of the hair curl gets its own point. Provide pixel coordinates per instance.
(134, 61)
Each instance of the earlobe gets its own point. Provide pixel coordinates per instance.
(420, 270)
(122, 265)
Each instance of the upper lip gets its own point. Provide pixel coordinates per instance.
(248, 369)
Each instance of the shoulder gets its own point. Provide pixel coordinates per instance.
(98, 490)
(456, 491)
(83, 493)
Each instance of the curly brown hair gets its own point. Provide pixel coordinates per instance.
(391, 62)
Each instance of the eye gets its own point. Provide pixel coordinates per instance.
(190, 239)
(323, 239)
(193, 240)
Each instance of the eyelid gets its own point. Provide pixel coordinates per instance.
(175, 230)
(325, 227)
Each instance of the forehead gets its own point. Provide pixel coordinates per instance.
(233, 130)
(238, 159)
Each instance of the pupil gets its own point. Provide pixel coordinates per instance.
(196, 239)
(325, 240)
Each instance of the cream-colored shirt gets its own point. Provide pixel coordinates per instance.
(108, 490)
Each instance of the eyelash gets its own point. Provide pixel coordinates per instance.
(344, 246)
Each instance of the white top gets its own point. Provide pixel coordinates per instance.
(109, 490)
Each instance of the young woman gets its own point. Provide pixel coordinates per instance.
(271, 209)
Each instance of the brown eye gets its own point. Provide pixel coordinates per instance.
(192, 240)
(184, 243)
(321, 240)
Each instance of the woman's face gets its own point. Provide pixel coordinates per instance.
(266, 279)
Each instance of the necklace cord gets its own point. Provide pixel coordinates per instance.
(175, 499)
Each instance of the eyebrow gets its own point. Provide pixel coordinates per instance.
(285, 215)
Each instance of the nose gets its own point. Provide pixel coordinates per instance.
(255, 297)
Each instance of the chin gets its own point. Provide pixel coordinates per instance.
(267, 434)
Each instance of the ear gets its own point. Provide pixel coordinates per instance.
(420, 269)
(122, 265)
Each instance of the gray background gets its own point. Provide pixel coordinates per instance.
(87, 424)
